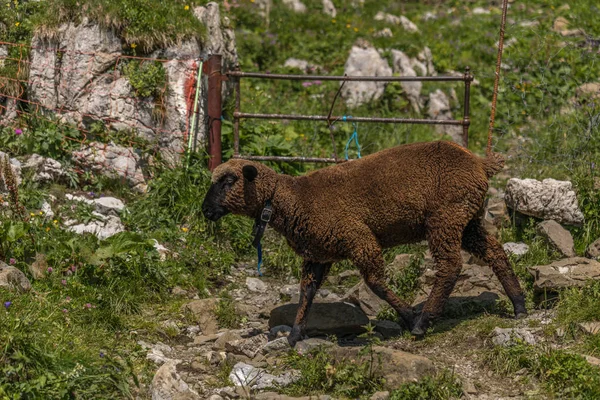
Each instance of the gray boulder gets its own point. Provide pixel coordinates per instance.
(249, 376)
(549, 199)
(114, 162)
(13, 279)
(103, 227)
(516, 249)
(509, 336)
(558, 237)
(168, 385)
(295, 5)
(329, 8)
(323, 318)
(364, 60)
(439, 109)
(405, 66)
(570, 272)
(495, 214)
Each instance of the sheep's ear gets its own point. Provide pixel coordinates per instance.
(250, 172)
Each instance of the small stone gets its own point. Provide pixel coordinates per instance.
(593, 250)
(168, 385)
(558, 237)
(39, 267)
(469, 387)
(380, 396)
(592, 360)
(560, 24)
(307, 345)
(507, 336)
(480, 11)
(276, 345)
(198, 340)
(14, 279)
(256, 285)
(385, 33)
(593, 328)
(203, 312)
(247, 347)
(179, 292)
(107, 205)
(215, 397)
(362, 296)
(388, 329)
(516, 249)
(228, 336)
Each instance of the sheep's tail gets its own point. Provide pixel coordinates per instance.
(492, 164)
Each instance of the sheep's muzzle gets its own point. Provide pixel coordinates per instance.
(212, 207)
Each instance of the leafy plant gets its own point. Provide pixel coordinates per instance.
(443, 386)
(146, 78)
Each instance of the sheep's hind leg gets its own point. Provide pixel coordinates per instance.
(444, 243)
(371, 265)
(312, 278)
(479, 243)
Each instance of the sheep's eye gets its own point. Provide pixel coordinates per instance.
(230, 180)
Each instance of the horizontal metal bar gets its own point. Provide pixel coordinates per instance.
(289, 159)
(348, 119)
(445, 78)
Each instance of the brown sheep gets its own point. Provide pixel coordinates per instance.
(353, 210)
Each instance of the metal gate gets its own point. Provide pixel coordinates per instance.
(214, 105)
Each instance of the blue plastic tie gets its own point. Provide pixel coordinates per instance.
(353, 137)
(260, 261)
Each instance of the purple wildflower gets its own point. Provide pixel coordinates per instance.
(12, 261)
(317, 82)
(50, 270)
(18, 132)
(306, 84)
(64, 310)
(68, 299)
(101, 354)
(7, 304)
(64, 282)
(88, 306)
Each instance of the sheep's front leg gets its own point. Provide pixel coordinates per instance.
(312, 277)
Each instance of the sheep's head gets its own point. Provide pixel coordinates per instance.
(239, 187)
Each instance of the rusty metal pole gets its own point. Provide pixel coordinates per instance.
(236, 119)
(215, 80)
(466, 113)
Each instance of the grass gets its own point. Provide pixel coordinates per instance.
(443, 386)
(143, 25)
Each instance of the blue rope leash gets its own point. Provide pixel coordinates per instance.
(260, 261)
(353, 137)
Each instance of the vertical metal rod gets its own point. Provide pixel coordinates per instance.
(236, 120)
(466, 112)
(215, 80)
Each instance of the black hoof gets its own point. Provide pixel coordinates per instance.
(295, 336)
(421, 325)
(418, 332)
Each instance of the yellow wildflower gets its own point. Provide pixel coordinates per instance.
(32, 214)
(186, 8)
(55, 221)
(355, 29)
(184, 229)
(348, 25)
(333, 21)
(47, 229)
(41, 213)
(17, 23)
(133, 45)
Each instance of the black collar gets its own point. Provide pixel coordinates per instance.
(260, 224)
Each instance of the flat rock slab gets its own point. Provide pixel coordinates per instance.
(549, 199)
(364, 297)
(516, 249)
(323, 318)
(395, 366)
(570, 272)
(510, 336)
(203, 312)
(558, 237)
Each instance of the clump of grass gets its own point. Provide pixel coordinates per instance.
(322, 373)
(440, 387)
(563, 374)
(226, 314)
(146, 24)
(579, 305)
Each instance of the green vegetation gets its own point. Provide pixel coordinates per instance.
(443, 386)
(75, 334)
(563, 374)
